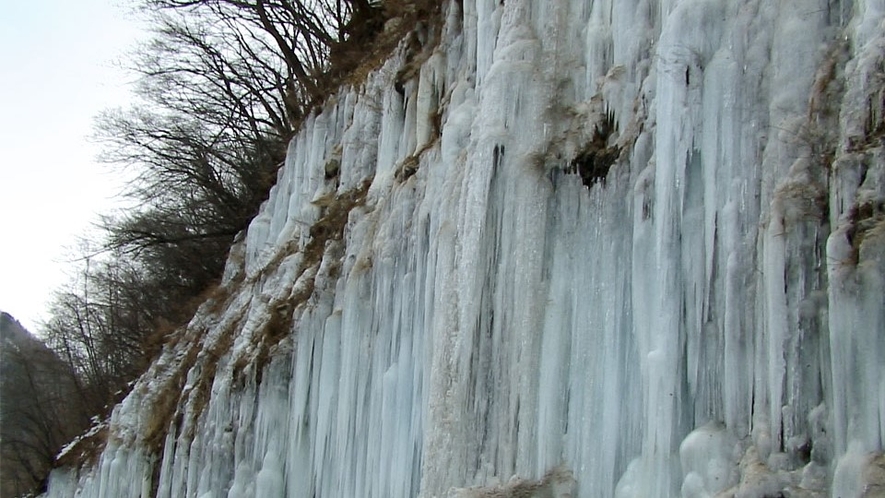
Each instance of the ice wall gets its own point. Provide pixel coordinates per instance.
(627, 248)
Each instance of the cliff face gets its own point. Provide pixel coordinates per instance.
(553, 248)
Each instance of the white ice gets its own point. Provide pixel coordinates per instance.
(707, 319)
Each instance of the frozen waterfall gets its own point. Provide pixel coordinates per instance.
(610, 248)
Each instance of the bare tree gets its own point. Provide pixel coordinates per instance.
(221, 87)
(40, 409)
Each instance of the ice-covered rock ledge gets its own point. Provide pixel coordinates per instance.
(590, 248)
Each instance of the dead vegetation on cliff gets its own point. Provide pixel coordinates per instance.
(327, 230)
(197, 351)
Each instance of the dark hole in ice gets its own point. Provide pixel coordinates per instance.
(596, 158)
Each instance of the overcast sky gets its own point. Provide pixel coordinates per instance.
(58, 69)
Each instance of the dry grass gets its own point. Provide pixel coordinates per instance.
(366, 50)
(164, 407)
(351, 64)
(557, 480)
(168, 331)
(167, 408)
(169, 404)
(200, 393)
(169, 400)
(330, 227)
(278, 327)
(828, 83)
(86, 451)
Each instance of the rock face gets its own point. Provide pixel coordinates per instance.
(588, 248)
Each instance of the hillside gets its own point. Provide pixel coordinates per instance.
(38, 408)
(560, 248)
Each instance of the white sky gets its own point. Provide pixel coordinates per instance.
(57, 71)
